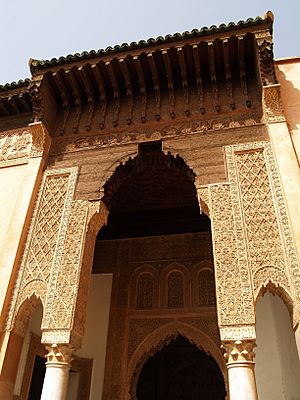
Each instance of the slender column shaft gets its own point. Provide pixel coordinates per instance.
(241, 377)
(58, 363)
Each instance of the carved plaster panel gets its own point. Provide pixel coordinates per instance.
(15, 148)
(233, 285)
(273, 104)
(43, 247)
(18, 146)
(263, 216)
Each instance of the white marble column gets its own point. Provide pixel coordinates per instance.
(240, 366)
(58, 363)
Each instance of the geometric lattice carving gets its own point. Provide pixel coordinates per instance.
(144, 291)
(265, 226)
(46, 233)
(262, 230)
(43, 243)
(175, 290)
(206, 287)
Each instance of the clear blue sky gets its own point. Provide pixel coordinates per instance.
(44, 29)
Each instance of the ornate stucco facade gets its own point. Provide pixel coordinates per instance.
(149, 192)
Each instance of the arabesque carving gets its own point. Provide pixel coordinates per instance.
(266, 58)
(66, 303)
(46, 232)
(235, 306)
(15, 148)
(272, 102)
(68, 144)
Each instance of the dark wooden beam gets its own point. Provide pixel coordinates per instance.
(4, 109)
(63, 93)
(156, 84)
(116, 92)
(184, 80)
(142, 86)
(213, 77)
(241, 57)
(95, 68)
(128, 84)
(198, 78)
(22, 99)
(76, 92)
(90, 94)
(13, 105)
(229, 88)
(168, 67)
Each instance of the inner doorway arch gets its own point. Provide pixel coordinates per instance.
(180, 371)
(163, 337)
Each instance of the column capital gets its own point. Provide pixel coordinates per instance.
(59, 354)
(239, 351)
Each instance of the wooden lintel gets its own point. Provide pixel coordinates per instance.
(168, 67)
(156, 84)
(64, 97)
(241, 57)
(228, 79)
(89, 90)
(198, 78)
(128, 84)
(142, 86)
(101, 89)
(185, 87)
(213, 77)
(116, 92)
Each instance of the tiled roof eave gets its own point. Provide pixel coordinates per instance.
(37, 65)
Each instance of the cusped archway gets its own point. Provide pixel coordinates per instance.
(162, 337)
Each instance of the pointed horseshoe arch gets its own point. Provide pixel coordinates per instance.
(161, 337)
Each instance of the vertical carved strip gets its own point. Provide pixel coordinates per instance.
(233, 288)
(46, 231)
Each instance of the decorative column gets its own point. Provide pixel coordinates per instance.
(239, 356)
(58, 363)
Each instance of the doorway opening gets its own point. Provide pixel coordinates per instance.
(180, 371)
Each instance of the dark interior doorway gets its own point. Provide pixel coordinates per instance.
(37, 379)
(180, 371)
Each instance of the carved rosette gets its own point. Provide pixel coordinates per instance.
(239, 351)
